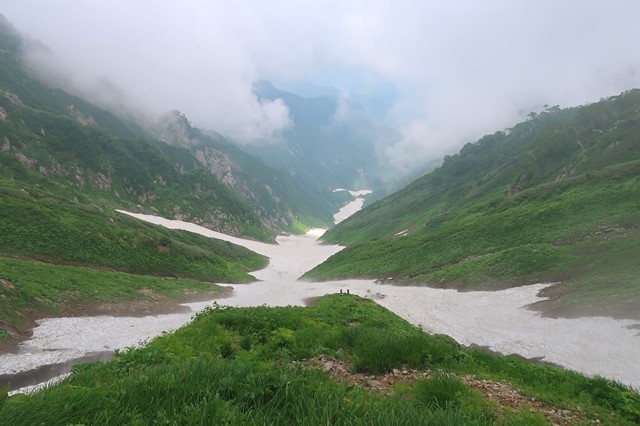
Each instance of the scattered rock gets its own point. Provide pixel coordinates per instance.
(85, 120)
(25, 161)
(7, 284)
(502, 394)
(15, 99)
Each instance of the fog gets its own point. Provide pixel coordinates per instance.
(458, 69)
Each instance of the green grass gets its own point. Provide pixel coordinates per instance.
(124, 171)
(116, 161)
(503, 238)
(37, 224)
(30, 289)
(528, 204)
(112, 161)
(234, 366)
(442, 391)
(40, 226)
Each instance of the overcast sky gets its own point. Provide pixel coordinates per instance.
(460, 68)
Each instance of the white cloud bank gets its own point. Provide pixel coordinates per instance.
(461, 69)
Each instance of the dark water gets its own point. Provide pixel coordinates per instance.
(46, 372)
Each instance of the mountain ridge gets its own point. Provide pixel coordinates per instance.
(553, 198)
(332, 143)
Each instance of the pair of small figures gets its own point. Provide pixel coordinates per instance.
(344, 294)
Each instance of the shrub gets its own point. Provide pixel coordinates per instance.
(441, 391)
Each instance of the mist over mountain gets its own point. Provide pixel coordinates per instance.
(553, 198)
(161, 165)
(333, 141)
(442, 75)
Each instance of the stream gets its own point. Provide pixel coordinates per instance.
(498, 320)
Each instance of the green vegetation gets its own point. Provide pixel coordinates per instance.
(36, 224)
(57, 152)
(280, 201)
(30, 290)
(247, 366)
(46, 132)
(554, 198)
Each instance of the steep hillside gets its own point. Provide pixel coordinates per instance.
(65, 165)
(279, 200)
(66, 140)
(555, 197)
(330, 145)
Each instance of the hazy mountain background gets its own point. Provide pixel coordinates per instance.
(331, 144)
(439, 75)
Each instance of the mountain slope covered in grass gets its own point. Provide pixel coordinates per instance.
(65, 166)
(57, 254)
(48, 136)
(553, 198)
(280, 201)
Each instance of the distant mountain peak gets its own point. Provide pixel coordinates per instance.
(6, 26)
(174, 128)
(266, 90)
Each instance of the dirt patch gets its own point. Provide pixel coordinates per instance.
(310, 301)
(559, 305)
(7, 284)
(153, 304)
(505, 396)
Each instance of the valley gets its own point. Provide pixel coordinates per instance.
(301, 253)
(500, 320)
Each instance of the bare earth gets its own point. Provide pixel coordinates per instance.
(502, 394)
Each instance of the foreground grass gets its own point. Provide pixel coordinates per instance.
(31, 289)
(234, 366)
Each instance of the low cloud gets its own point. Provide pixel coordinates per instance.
(460, 69)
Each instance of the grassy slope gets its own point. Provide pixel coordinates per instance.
(528, 205)
(48, 132)
(127, 172)
(64, 166)
(279, 200)
(310, 206)
(37, 224)
(30, 290)
(234, 366)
